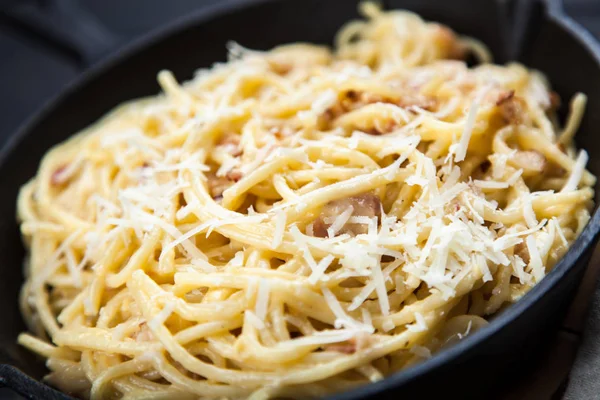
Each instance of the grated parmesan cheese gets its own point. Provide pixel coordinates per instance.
(528, 212)
(262, 298)
(460, 150)
(387, 325)
(280, 221)
(560, 232)
(317, 273)
(535, 261)
(420, 324)
(340, 221)
(324, 101)
(514, 177)
(302, 244)
(343, 320)
(576, 173)
(518, 266)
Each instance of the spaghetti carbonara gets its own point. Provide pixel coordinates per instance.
(295, 222)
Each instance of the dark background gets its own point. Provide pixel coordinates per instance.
(33, 68)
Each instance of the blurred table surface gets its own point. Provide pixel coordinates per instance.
(31, 73)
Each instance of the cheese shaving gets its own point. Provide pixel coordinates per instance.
(262, 299)
(280, 221)
(576, 173)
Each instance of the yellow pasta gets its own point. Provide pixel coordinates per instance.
(299, 221)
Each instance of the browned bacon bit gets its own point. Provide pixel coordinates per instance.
(344, 347)
(352, 95)
(319, 228)
(351, 346)
(229, 138)
(530, 161)
(447, 40)
(475, 189)
(278, 133)
(281, 132)
(555, 170)
(325, 119)
(504, 97)
(511, 110)
(143, 334)
(350, 100)
(452, 207)
(234, 175)
(58, 177)
(466, 86)
(217, 185)
(354, 99)
(382, 128)
(280, 67)
(335, 111)
(522, 251)
(360, 99)
(366, 204)
(373, 132)
(555, 100)
(231, 144)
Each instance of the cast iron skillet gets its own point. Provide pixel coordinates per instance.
(535, 32)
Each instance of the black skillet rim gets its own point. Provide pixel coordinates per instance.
(21, 381)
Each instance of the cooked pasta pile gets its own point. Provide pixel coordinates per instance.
(295, 222)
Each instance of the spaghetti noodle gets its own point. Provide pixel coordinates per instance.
(296, 222)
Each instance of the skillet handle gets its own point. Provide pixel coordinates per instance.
(64, 26)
